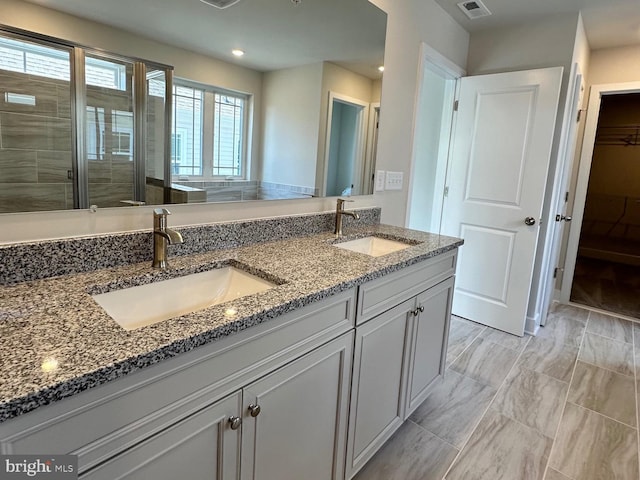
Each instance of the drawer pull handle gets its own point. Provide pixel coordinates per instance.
(254, 410)
(234, 422)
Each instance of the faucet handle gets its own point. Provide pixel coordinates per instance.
(160, 212)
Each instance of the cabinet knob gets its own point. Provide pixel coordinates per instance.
(417, 311)
(254, 410)
(234, 422)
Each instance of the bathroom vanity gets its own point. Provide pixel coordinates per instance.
(306, 379)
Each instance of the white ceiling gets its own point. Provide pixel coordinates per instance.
(274, 34)
(608, 23)
(277, 33)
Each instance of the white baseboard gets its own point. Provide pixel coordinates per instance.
(532, 324)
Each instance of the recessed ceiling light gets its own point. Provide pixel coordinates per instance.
(381, 68)
(237, 52)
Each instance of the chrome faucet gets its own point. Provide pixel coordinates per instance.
(340, 212)
(162, 236)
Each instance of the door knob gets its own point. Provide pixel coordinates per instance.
(234, 422)
(529, 221)
(254, 410)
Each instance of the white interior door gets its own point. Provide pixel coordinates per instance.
(499, 163)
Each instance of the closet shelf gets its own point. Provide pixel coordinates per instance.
(622, 135)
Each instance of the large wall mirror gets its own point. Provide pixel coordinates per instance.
(89, 123)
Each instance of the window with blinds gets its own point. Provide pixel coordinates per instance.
(186, 131)
(228, 122)
(209, 130)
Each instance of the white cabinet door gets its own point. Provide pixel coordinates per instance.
(429, 336)
(378, 384)
(300, 430)
(499, 163)
(200, 447)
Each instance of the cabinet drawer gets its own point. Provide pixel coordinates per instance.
(103, 421)
(384, 293)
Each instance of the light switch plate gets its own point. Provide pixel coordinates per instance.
(380, 176)
(394, 181)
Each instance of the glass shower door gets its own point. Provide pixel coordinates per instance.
(109, 131)
(156, 168)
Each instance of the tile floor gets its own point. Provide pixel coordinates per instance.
(558, 406)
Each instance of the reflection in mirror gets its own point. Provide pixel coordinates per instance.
(108, 131)
(272, 132)
(68, 128)
(36, 167)
(346, 137)
(155, 142)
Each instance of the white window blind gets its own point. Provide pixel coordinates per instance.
(228, 135)
(186, 154)
(217, 150)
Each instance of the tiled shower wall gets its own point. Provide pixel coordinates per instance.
(35, 145)
(111, 175)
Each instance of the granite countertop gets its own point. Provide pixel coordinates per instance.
(56, 341)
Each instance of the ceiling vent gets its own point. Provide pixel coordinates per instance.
(473, 9)
(220, 3)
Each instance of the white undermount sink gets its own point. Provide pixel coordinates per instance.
(373, 246)
(142, 305)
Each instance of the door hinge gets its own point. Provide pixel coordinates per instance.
(446, 191)
(579, 115)
(455, 106)
(566, 197)
(556, 271)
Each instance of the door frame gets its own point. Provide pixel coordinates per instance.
(558, 205)
(584, 169)
(368, 172)
(431, 58)
(363, 116)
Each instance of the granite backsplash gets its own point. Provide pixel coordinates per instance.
(24, 262)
